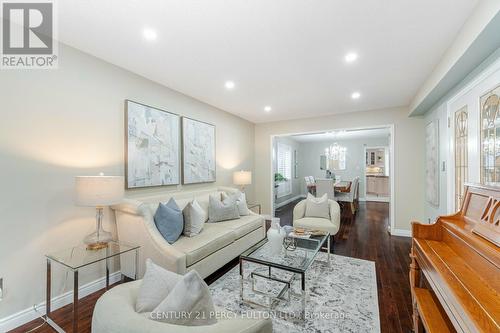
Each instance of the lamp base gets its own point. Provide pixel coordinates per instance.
(96, 246)
(99, 239)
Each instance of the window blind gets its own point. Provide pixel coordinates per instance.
(284, 167)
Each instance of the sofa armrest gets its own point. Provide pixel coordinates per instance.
(299, 210)
(131, 206)
(135, 225)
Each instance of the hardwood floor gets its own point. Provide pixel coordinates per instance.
(365, 236)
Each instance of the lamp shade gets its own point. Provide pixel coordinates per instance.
(99, 191)
(242, 177)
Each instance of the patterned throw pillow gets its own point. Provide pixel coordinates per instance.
(222, 210)
(169, 221)
(241, 201)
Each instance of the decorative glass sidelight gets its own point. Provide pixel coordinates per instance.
(490, 137)
(461, 156)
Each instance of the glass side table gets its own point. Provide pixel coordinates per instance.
(78, 257)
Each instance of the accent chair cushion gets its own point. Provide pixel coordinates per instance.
(156, 284)
(222, 210)
(317, 207)
(317, 223)
(189, 303)
(169, 221)
(241, 201)
(194, 218)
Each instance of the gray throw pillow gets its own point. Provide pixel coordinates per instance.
(194, 218)
(222, 210)
(156, 284)
(241, 201)
(189, 303)
(169, 221)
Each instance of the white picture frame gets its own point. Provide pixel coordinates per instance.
(198, 152)
(152, 146)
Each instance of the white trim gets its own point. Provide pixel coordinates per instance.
(24, 316)
(286, 202)
(401, 232)
(376, 199)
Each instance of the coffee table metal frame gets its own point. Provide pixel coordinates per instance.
(296, 271)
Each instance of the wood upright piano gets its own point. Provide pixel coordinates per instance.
(455, 267)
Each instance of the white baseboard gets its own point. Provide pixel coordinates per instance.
(377, 199)
(281, 204)
(401, 232)
(27, 315)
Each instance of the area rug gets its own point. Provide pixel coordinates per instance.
(341, 297)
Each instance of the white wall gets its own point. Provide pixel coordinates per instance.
(57, 124)
(355, 158)
(408, 155)
(485, 77)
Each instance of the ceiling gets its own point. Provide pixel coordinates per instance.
(287, 54)
(343, 135)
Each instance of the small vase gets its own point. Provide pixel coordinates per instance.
(275, 236)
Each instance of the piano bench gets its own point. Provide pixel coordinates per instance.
(430, 313)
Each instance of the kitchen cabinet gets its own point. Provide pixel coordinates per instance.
(377, 185)
(375, 157)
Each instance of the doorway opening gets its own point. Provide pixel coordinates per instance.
(347, 165)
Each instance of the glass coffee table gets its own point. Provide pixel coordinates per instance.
(282, 269)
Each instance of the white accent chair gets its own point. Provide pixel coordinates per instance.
(325, 186)
(331, 225)
(351, 197)
(114, 312)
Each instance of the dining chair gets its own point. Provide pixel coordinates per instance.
(351, 197)
(325, 186)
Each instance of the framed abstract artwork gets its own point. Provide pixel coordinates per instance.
(432, 162)
(152, 146)
(198, 157)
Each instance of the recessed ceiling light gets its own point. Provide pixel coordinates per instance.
(149, 34)
(351, 57)
(355, 95)
(229, 85)
(267, 108)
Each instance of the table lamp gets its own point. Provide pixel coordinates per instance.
(99, 192)
(242, 178)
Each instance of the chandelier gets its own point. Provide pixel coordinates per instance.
(335, 151)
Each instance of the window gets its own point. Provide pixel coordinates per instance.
(284, 168)
(490, 137)
(461, 163)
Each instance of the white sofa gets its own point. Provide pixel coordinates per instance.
(114, 312)
(331, 225)
(216, 245)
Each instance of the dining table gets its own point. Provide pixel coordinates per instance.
(342, 186)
